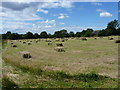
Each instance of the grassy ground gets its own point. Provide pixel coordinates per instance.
(83, 64)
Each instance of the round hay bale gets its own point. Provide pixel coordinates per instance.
(14, 45)
(29, 43)
(117, 41)
(95, 38)
(110, 38)
(25, 54)
(59, 44)
(59, 49)
(24, 42)
(49, 43)
(84, 39)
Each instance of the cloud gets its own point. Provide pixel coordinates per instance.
(96, 3)
(100, 10)
(62, 23)
(42, 10)
(105, 14)
(62, 16)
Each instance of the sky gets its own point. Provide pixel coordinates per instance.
(21, 17)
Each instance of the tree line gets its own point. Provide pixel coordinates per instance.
(111, 29)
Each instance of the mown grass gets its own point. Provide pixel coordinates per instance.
(78, 67)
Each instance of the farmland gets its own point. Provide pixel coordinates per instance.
(84, 64)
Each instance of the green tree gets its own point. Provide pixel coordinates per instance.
(102, 33)
(71, 34)
(112, 28)
(78, 34)
(36, 35)
(29, 35)
(44, 34)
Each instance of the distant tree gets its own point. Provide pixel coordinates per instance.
(43, 34)
(78, 34)
(118, 31)
(7, 36)
(58, 34)
(29, 35)
(102, 33)
(14, 36)
(112, 28)
(36, 35)
(71, 34)
(50, 35)
(88, 32)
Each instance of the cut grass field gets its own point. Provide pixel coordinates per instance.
(84, 64)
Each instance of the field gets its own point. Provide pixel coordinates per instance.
(84, 64)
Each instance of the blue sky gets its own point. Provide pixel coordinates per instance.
(53, 16)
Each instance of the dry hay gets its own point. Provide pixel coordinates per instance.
(29, 43)
(14, 45)
(25, 54)
(57, 40)
(49, 43)
(95, 38)
(110, 38)
(59, 44)
(24, 42)
(117, 41)
(59, 49)
(63, 40)
(84, 39)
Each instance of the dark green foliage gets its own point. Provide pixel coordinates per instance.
(43, 34)
(36, 36)
(29, 35)
(112, 29)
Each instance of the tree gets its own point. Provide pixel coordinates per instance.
(14, 36)
(36, 35)
(78, 34)
(88, 32)
(112, 28)
(102, 33)
(71, 34)
(7, 36)
(44, 34)
(29, 35)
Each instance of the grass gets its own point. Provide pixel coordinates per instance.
(85, 64)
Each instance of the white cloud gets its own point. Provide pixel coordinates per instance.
(96, 3)
(62, 16)
(100, 10)
(105, 14)
(62, 23)
(42, 10)
(48, 21)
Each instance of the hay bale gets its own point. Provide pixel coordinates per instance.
(110, 38)
(95, 38)
(29, 43)
(117, 41)
(84, 39)
(59, 49)
(14, 45)
(49, 43)
(62, 40)
(25, 54)
(24, 42)
(59, 44)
